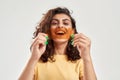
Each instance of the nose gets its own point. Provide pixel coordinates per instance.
(60, 25)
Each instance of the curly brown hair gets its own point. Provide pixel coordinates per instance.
(44, 27)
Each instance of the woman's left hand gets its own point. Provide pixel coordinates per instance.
(83, 44)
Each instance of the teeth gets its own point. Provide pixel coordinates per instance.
(61, 32)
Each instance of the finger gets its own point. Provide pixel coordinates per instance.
(44, 37)
(41, 37)
(77, 36)
(85, 37)
(37, 43)
(80, 44)
(38, 39)
(80, 35)
(79, 41)
(33, 42)
(43, 34)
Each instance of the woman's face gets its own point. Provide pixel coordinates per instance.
(61, 27)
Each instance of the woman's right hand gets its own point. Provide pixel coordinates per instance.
(38, 46)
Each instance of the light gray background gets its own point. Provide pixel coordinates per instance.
(98, 19)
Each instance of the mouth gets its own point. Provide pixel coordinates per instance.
(60, 32)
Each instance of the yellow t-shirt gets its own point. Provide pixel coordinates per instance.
(61, 69)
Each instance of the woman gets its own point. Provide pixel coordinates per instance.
(59, 52)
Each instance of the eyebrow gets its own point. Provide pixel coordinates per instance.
(63, 19)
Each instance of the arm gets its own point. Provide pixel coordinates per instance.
(83, 44)
(37, 48)
(89, 73)
(28, 73)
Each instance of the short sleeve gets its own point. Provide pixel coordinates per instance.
(81, 69)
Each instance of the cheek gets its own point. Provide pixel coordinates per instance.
(69, 32)
(52, 32)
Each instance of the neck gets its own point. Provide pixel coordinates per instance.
(60, 48)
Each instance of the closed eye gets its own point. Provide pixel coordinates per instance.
(54, 23)
(66, 23)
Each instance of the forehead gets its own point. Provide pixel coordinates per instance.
(61, 17)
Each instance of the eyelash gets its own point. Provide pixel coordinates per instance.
(55, 23)
(66, 23)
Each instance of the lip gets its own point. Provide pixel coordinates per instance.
(60, 31)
